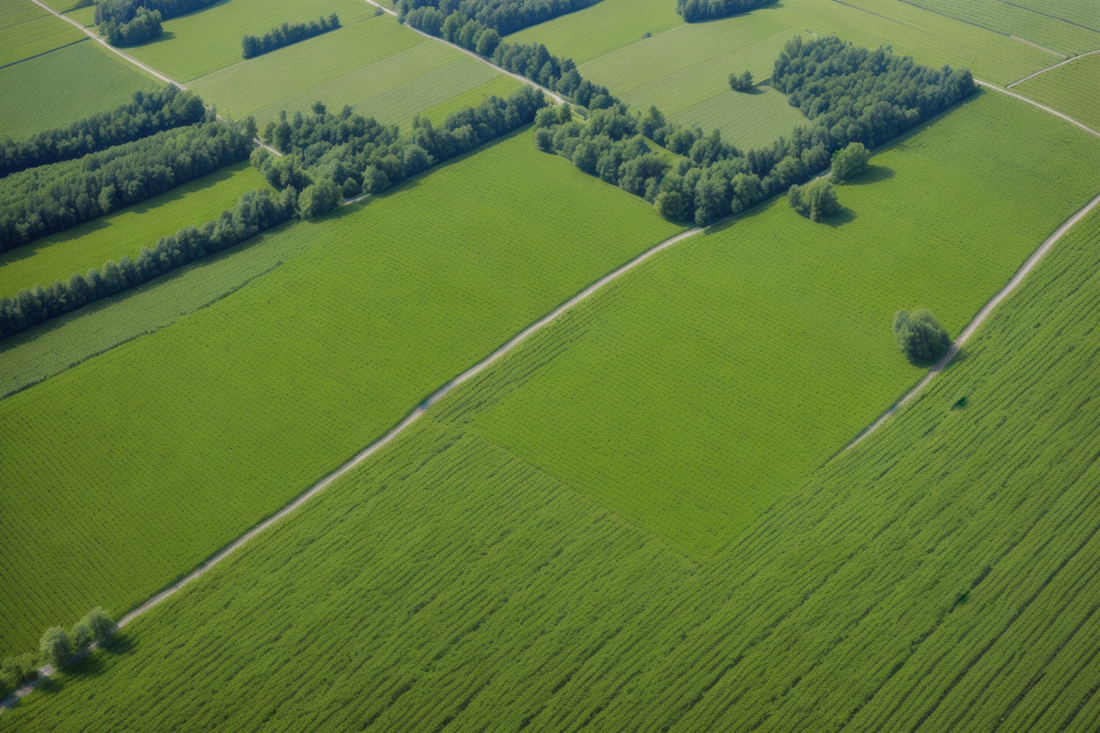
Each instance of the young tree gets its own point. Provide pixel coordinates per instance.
(850, 162)
(55, 646)
(920, 336)
(815, 200)
(100, 624)
(80, 637)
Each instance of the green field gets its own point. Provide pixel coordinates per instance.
(601, 28)
(84, 78)
(27, 30)
(923, 580)
(395, 298)
(200, 43)
(380, 68)
(1057, 35)
(1073, 89)
(1082, 13)
(500, 86)
(126, 231)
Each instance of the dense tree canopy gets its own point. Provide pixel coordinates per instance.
(849, 162)
(503, 16)
(815, 200)
(131, 22)
(147, 114)
(694, 11)
(920, 336)
(287, 34)
(48, 199)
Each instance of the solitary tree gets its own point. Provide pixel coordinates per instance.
(55, 646)
(920, 336)
(850, 162)
(742, 83)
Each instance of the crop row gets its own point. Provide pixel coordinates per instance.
(1069, 89)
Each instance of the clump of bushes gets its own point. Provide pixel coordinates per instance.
(285, 35)
(920, 336)
(742, 82)
(55, 648)
(694, 11)
(815, 200)
(849, 162)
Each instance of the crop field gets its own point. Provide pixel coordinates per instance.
(203, 42)
(697, 393)
(912, 582)
(126, 231)
(27, 30)
(159, 437)
(84, 79)
(1066, 38)
(380, 68)
(1071, 89)
(500, 86)
(1074, 11)
(601, 28)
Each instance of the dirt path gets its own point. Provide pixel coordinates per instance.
(1043, 71)
(1032, 102)
(979, 319)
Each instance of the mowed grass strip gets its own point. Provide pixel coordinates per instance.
(65, 85)
(178, 442)
(942, 573)
(202, 42)
(27, 30)
(715, 379)
(125, 232)
(1073, 89)
(1012, 20)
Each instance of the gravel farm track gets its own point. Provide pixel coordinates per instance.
(546, 320)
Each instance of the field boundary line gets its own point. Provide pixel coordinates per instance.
(40, 55)
(1043, 107)
(1043, 71)
(985, 28)
(1047, 15)
(978, 320)
(468, 52)
(47, 671)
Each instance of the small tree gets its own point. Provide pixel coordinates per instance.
(317, 199)
(920, 336)
(670, 205)
(850, 162)
(816, 200)
(55, 646)
(742, 83)
(100, 624)
(80, 636)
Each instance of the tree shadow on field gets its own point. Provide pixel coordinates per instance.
(873, 174)
(845, 216)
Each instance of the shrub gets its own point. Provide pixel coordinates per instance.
(742, 83)
(920, 336)
(850, 162)
(816, 200)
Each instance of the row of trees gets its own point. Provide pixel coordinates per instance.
(145, 115)
(132, 22)
(256, 211)
(714, 179)
(285, 35)
(503, 16)
(56, 647)
(695, 11)
(45, 200)
(332, 155)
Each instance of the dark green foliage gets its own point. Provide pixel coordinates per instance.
(920, 336)
(45, 200)
(742, 83)
(255, 211)
(55, 646)
(144, 26)
(319, 198)
(362, 154)
(148, 113)
(503, 16)
(17, 671)
(694, 11)
(287, 34)
(850, 162)
(131, 22)
(80, 636)
(815, 200)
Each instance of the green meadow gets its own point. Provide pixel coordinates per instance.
(1071, 89)
(160, 437)
(919, 580)
(84, 79)
(125, 232)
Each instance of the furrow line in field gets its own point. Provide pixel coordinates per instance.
(1043, 71)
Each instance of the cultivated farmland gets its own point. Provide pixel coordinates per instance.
(125, 232)
(27, 30)
(378, 67)
(200, 43)
(83, 79)
(448, 583)
(386, 307)
(1071, 89)
(1083, 14)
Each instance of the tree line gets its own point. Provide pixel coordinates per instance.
(695, 11)
(503, 16)
(256, 211)
(334, 155)
(56, 647)
(851, 95)
(133, 22)
(146, 114)
(285, 35)
(49, 199)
